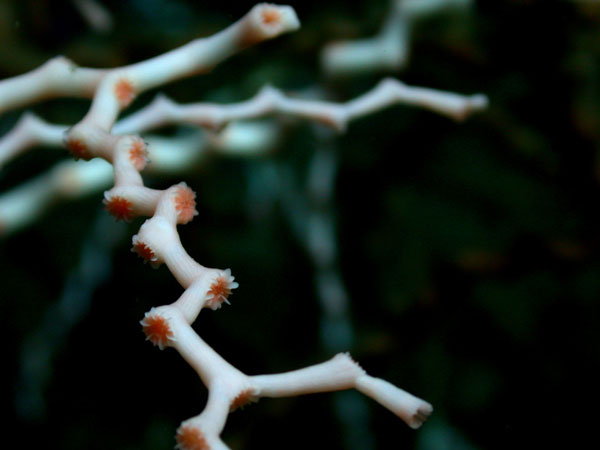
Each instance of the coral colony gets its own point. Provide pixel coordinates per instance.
(100, 135)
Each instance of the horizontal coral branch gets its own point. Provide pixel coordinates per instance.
(164, 111)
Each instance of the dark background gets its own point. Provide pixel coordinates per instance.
(470, 251)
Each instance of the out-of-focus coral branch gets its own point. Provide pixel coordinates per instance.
(73, 179)
(95, 14)
(30, 131)
(390, 48)
(69, 179)
(310, 209)
(40, 347)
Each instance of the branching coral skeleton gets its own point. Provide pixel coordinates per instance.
(98, 135)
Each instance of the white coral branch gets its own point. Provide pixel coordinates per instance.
(269, 100)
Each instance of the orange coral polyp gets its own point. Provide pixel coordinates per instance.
(218, 293)
(125, 92)
(270, 16)
(191, 438)
(144, 252)
(138, 154)
(185, 204)
(78, 149)
(119, 207)
(243, 399)
(157, 330)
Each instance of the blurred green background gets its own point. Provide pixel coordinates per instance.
(470, 251)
